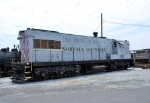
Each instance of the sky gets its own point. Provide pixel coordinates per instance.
(122, 19)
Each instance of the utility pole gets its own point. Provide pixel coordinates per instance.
(101, 25)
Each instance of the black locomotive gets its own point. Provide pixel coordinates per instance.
(6, 59)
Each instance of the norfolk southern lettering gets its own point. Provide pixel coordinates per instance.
(79, 49)
(72, 49)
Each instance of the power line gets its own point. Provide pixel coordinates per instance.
(126, 19)
(98, 26)
(127, 24)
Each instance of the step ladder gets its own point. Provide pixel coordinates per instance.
(28, 71)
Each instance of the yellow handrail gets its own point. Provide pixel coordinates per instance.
(31, 60)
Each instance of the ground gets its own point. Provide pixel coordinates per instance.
(116, 84)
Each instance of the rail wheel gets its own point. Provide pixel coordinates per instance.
(70, 73)
(65, 74)
(83, 69)
(35, 77)
(40, 77)
(125, 67)
(51, 76)
(1, 72)
(46, 76)
(109, 68)
(76, 72)
(113, 68)
(56, 76)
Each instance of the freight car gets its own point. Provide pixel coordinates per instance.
(49, 54)
(142, 58)
(6, 58)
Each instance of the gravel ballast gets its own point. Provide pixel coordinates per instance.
(124, 79)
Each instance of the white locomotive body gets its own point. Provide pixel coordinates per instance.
(49, 46)
(59, 53)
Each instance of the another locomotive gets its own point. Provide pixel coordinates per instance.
(50, 54)
(141, 58)
(6, 58)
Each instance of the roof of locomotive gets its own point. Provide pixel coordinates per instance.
(42, 30)
(143, 49)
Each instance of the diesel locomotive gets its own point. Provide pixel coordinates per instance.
(141, 58)
(49, 54)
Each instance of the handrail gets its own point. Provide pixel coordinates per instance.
(31, 60)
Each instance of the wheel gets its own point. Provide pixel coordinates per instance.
(125, 67)
(1, 72)
(56, 76)
(76, 73)
(65, 74)
(35, 77)
(109, 68)
(46, 76)
(51, 76)
(40, 77)
(114, 68)
(70, 73)
(83, 69)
